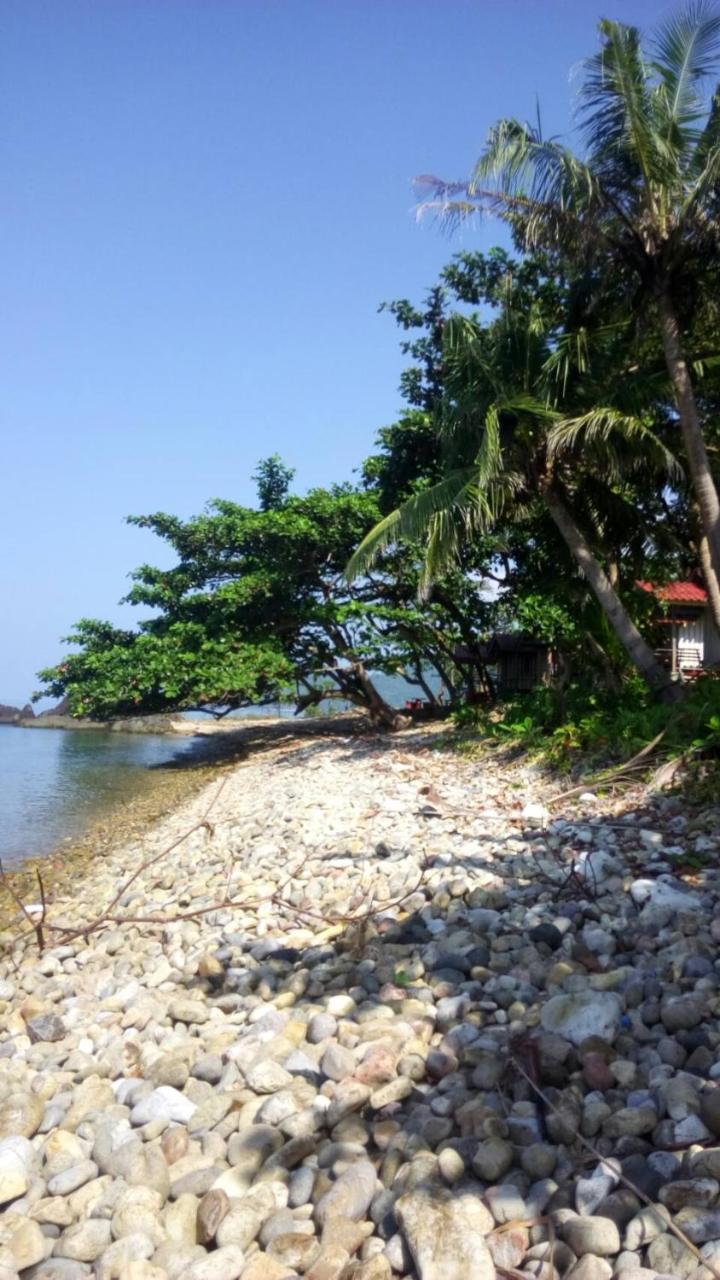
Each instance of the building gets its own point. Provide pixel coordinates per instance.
(516, 662)
(689, 639)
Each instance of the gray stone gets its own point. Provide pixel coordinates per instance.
(595, 1235)
(46, 1027)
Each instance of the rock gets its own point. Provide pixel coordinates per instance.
(164, 1103)
(21, 1114)
(681, 1013)
(263, 1267)
(492, 1159)
(85, 1241)
(595, 1235)
(445, 1233)
(22, 1243)
(188, 1011)
(582, 1014)
(590, 1268)
(710, 1110)
(547, 934)
(295, 1250)
(16, 1156)
(350, 1196)
(223, 1264)
(266, 1076)
(46, 1026)
(213, 1207)
(669, 1256)
(69, 1180)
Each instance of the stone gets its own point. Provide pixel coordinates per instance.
(85, 1241)
(681, 1013)
(350, 1195)
(492, 1159)
(223, 1264)
(669, 1256)
(590, 1268)
(213, 1207)
(69, 1180)
(262, 1267)
(21, 1114)
(445, 1232)
(266, 1076)
(164, 1103)
(595, 1235)
(16, 1154)
(296, 1250)
(582, 1014)
(188, 1011)
(22, 1243)
(46, 1027)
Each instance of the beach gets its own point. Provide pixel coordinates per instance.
(358, 1008)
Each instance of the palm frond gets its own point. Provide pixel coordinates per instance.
(411, 521)
(615, 112)
(687, 49)
(606, 427)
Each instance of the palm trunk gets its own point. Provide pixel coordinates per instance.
(622, 624)
(703, 480)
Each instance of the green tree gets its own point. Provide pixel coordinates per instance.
(508, 446)
(640, 205)
(256, 610)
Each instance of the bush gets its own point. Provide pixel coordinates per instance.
(583, 724)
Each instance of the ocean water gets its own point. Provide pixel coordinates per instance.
(55, 782)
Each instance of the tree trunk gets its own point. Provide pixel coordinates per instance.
(365, 694)
(609, 601)
(706, 493)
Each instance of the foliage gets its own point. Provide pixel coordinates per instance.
(585, 726)
(256, 611)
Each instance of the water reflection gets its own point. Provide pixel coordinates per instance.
(54, 782)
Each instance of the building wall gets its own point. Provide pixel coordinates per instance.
(712, 641)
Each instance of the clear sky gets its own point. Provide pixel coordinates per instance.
(203, 203)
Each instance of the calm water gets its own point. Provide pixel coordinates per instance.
(54, 782)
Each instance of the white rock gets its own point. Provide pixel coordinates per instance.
(582, 1014)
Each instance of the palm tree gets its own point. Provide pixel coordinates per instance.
(643, 202)
(507, 449)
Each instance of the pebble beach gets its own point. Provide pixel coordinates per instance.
(385, 1013)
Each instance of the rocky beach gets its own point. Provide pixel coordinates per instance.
(362, 1009)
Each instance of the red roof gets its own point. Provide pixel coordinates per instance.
(678, 592)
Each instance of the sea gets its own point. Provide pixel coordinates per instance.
(55, 783)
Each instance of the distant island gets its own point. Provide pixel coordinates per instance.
(13, 715)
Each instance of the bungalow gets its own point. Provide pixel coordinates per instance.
(517, 662)
(690, 640)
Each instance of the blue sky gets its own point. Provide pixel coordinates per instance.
(203, 203)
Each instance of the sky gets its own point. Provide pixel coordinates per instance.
(203, 204)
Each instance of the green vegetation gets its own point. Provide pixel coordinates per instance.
(558, 445)
(593, 727)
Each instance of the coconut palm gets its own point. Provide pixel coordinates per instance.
(641, 203)
(508, 449)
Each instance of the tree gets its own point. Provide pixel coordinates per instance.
(641, 205)
(256, 610)
(508, 447)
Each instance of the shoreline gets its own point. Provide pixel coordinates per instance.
(299, 1026)
(166, 790)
